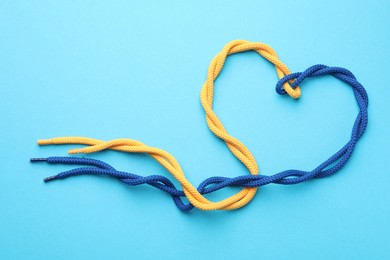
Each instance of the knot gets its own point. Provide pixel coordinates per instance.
(289, 81)
(295, 79)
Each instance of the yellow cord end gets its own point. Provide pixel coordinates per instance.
(44, 142)
(294, 93)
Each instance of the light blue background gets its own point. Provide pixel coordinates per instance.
(111, 69)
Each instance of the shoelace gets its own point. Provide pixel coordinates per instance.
(288, 84)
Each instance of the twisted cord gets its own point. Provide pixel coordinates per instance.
(161, 182)
(236, 147)
(327, 168)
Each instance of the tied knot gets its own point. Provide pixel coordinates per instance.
(287, 85)
(293, 80)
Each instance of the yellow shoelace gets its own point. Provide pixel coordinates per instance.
(168, 161)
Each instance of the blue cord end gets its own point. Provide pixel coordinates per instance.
(51, 178)
(38, 159)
